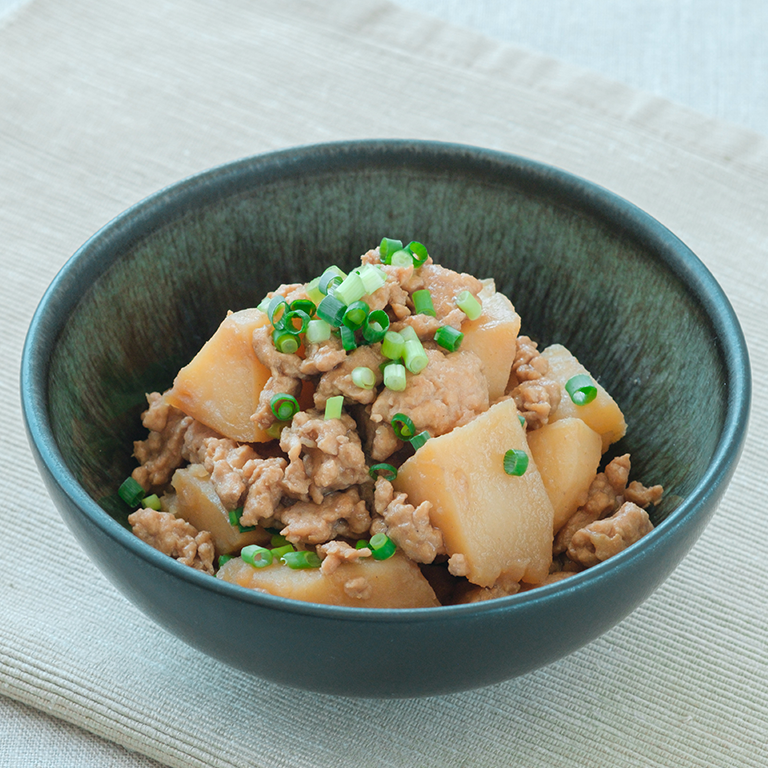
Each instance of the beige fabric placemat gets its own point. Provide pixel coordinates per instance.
(103, 102)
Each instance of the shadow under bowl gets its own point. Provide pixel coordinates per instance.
(583, 267)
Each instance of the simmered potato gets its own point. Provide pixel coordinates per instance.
(367, 583)
(199, 504)
(567, 453)
(602, 414)
(501, 524)
(492, 337)
(222, 384)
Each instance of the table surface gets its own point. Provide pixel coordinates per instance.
(709, 55)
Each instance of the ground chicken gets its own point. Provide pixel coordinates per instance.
(448, 393)
(323, 356)
(602, 539)
(325, 455)
(174, 537)
(338, 514)
(529, 364)
(408, 526)
(339, 380)
(334, 553)
(444, 285)
(160, 455)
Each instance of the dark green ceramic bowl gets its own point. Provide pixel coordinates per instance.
(583, 267)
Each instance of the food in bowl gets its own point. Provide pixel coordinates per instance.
(385, 438)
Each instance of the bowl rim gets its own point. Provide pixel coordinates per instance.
(164, 205)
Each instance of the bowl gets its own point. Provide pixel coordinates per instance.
(584, 268)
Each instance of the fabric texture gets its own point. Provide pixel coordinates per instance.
(103, 103)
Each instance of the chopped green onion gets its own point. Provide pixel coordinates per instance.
(387, 247)
(317, 330)
(313, 290)
(382, 546)
(581, 388)
(131, 492)
(361, 544)
(387, 471)
(333, 407)
(257, 556)
(347, 338)
(418, 440)
(278, 552)
(224, 559)
(351, 290)
(469, 305)
(330, 280)
(376, 326)
(278, 540)
(285, 341)
(364, 378)
(521, 419)
(283, 406)
(263, 305)
(276, 430)
(419, 253)
(408, 333)
(277, 308)
(373, 277)
(403, 426)
(401, 258)
(515, 462)
(305, 305)
(394, 377)
(289, 317)
(355, 314)
(415, 357)
(300, 560)
(393, 345)
(422, 303)
(234, 521)
(331, 310)
(152, 502)
(448, 337)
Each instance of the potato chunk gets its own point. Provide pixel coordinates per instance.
(199, 504)
(393, 583)
(602, 414)
(492, 337)
(567, 453)
(502, 525)
(222, 384)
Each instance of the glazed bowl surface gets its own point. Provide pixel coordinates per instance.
(583, 267)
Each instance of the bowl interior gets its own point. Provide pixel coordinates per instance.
(582, 268)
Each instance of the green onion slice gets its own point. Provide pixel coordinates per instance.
(355, 314)
(331, 310)
(317, 330)
(363, 377)
(387, 247)
(469, 305)
(394, 377)
(387, 471)
(392, 345)
(347, 338)
(361, 544)
(422, 303)
(521, 419)
(515, 462)
(408, 333)
(414, 356)
(131, 492)
(313, 291)
(418, 440)
(276, 309)
(376, 326)
(373, 277)
(333, 407)
(419, 253)
(224, 559)
(305, 305)
(581, 388)
(382, 546)
(284, 407)
(278, 552)
(285, 341)
(257, 556)
(448, 337)
(278, 540)
(289, 320)
(300, 560)
(152, 502)
(263, 305)
(276, 430)
(331, 279)
(403, 426)
(401, 258)
(351, 290)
